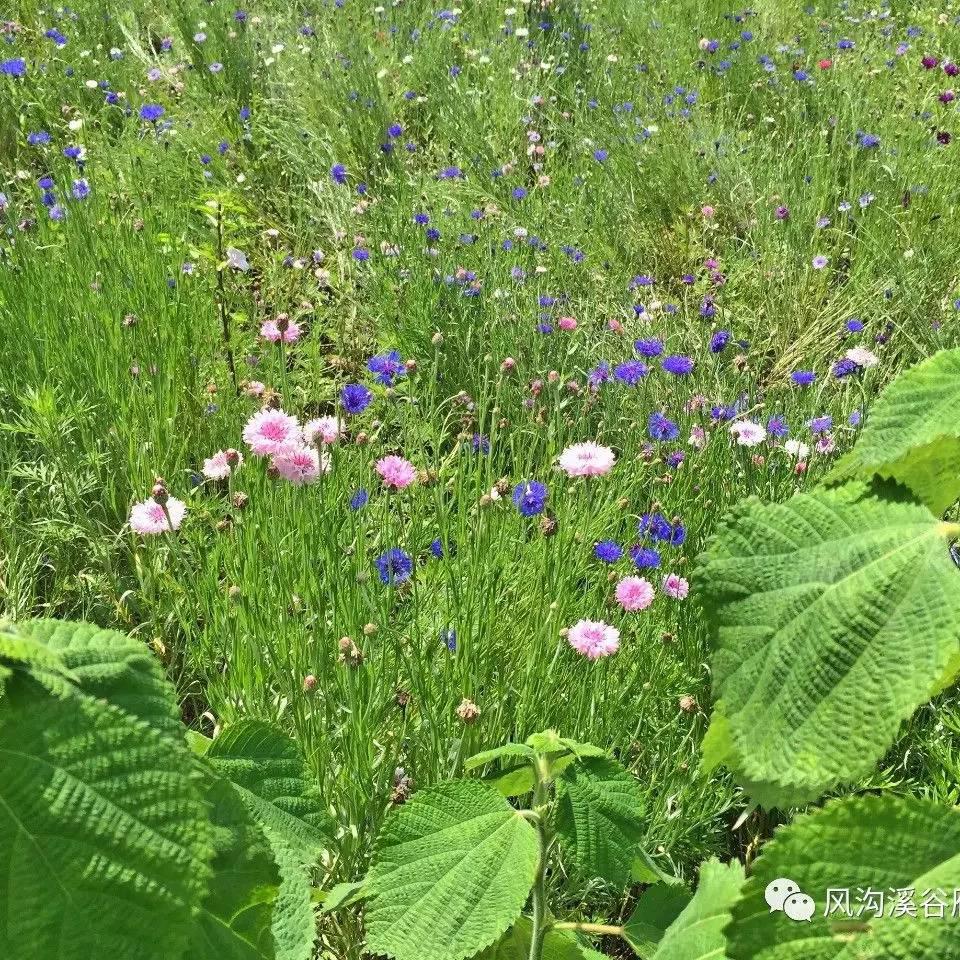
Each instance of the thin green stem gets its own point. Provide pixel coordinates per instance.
(540, 797)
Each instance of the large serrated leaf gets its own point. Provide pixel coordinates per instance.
(600, 818)
(114, 667)
(235, 921)
(698, 932)
(656, 908)
(452, 870)
(266, 769)
(510, 750)
(834, 616)
(861, 844)
(103, 832)
(912, 434)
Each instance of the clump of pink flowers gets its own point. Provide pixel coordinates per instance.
(269, 432)
(396, 472)
(283, 328)
(150, 516)
(300, 464)
(326, 429)
(587, 460)
(675, 586)
(594, 638)
(634, 593)
(222, 464)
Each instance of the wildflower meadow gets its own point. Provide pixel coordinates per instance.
(479, 481)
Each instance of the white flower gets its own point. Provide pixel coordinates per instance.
(862, 357)
(796, 449)
(748, 433)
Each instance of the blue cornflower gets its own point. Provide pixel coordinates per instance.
(359, 500)
(355, 398)
(803, 378)
(854, 325)
(151, 112)
(338, 173)
(598, 375)
(719, 340)
(518, 193)
(820, 425)
(660, 427)
(855, 418)
(609, 551)
(394, 566)
(386, 366)
(644, 557)
(38, 139)
(600, 155)
(436, 548)
(777, 426)
(631, 372)
(421, 219)
(530, 497)
(655, 525)
(675, 459)
(480, 443)
(868, 140)
(677, 365)
(451, 173)
(448, 637)
(17, 67)
(648, 348)
(80, 189)
(394, 131)
(844, 367)
(708, 309)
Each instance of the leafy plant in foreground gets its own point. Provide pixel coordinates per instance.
(116, 838)
(834, 616)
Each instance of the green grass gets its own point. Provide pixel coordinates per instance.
(242, 605)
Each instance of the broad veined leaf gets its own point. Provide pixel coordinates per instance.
(512, 781)
(114, 667)
(834, 616)
(515, 945)
(452, 869)
(508, 750)
(698, 932)
(235, 922)
(344, 895)
(657, 907)
(872, 848)
(912, 434)
(600, 818)
(645, 869)
(266, 769)
(104, 837)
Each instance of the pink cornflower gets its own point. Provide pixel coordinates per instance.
(567, 323)
(255, 388)
(634, 593)
(675, 586)
(150, 517)
(396, 472)
(269, 432)
(594, 639)
(328, 429)
(222, 464)
(300, 464)
(587, 460)
(270, 330)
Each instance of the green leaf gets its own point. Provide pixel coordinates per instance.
(697, 933)
(657, 907)
(806, 600)
(498, 753)
(103, 832)
(600, 818)
(515, 945)
(452, 870)
(235, 921)
(645, 869)
(859, 843)
(513, 781)
(114, 667)
(912, 434)
(266, 769)
(344, 895)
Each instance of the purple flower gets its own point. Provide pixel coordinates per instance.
(338, 173)
(660, 427)
(17, 67)
(355, 398)
(678, 365)
(820, 425)
(644, 557)
(648, 348)
(609, 551)
(386, 366)
(719, 340)
(803, 378)
(151, 112)
(530, 497)
(631, 372)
